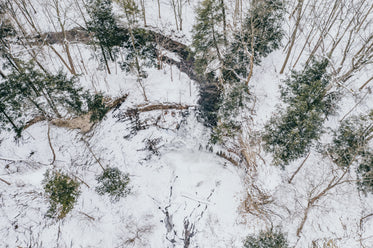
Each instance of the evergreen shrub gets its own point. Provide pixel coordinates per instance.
(62, 192)
(114, 183)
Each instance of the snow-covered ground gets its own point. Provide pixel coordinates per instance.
(182, 184)
(183, 188)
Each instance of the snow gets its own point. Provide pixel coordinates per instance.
(202, 185)
(183, 183)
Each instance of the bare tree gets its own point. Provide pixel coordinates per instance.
(335, 29)
(22, 14)
(177, 6)
(131, 13)
(315, 196)
(61, 15)
(298, 10)
(143, 11)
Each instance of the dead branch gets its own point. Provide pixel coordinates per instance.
(20, 160)
(363, 219)
(5, 181)
(117, 102)
(354, 107)
(89, 217)
(311, 202)
(81, 122)
(228, 158)
(248, 154)
(365, 84)
(197, 200)
(163, 106)
(189, 232)
(301, 165)
(81, 181)
(255, 203)
(50, 144)
(93, 154)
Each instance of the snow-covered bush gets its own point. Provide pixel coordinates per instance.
(96, 106)
(351, 140)
(365, 173)
(62, 192)
(351, 145)
(140, 51)
(269, 239)
(114, 183)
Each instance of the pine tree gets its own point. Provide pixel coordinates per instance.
(207, 35)
(96, 106)
(62, 192)
(44, 91)
(290, 134)
(365, 173)
(103, 25)
(27, 91)
(139, 45)
(351, 147)
(351, 140)
(261, 33)
(208, 43)
(140, 52)
(6, 31)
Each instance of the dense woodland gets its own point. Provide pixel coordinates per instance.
(313, 128)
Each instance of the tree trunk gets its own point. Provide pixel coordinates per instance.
(236, 12)
(2, 74)
(10, 121)
(175, 13)
(224, 22)
(142, 3)
(252, 43)
(365, 84)
(293, 36)
(105, 59)
(137, 63)
(159, 9)
(180, 13)
(65, 42)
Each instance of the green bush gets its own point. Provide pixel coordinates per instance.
(114, 183)
(62, 192)
(267, 239)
